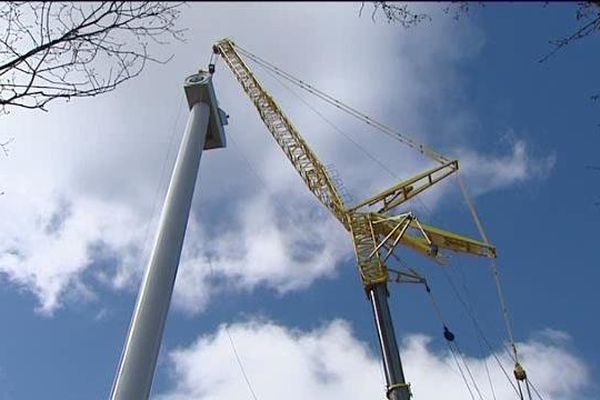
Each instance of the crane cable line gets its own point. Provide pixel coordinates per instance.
(233, 348)
(239, 362)
(336, 128)
(519, 372)
(265, 186)
(391, 173)
(468, 308)
(275, 70)
(456, 353)
(333, 126)
(160, 184)
(372, 157)
(274, 199)
(462, 357)
(481, 333)
(450, 338)
(486, 341)
(462, 374)
(423, 149)
(496, 275)
(479, 341)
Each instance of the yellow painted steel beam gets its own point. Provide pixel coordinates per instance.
(304, 160)
(434, 239)
(409, 188)
(364, 237)
(458, 243)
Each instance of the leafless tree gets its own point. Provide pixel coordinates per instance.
(400, 13)
(405, 14)
(62, 50)
(5, 147)
(587, 16)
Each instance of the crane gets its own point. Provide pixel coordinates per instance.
(376, 229)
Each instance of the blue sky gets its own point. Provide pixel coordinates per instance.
(263, 257)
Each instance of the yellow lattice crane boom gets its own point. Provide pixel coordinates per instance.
(293, 145)
(376, 231)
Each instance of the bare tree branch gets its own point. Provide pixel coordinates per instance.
(588, 12)
(53, 50)
(397, 13)
(461, 8)
(5, 146)
(403, 14)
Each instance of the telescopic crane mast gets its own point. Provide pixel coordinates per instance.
(375, 234)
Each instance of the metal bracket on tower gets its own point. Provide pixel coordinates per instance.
(199, 89)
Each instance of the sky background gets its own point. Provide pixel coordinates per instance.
(84, 184)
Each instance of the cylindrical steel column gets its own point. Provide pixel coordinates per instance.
(138, 360)
(397, 389)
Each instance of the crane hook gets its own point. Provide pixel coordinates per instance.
(519, 371)
(448, 335)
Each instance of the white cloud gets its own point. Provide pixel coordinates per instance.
(487, 172)
(325, 363)
(330, 363)
(49, 244)
(283, 245)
